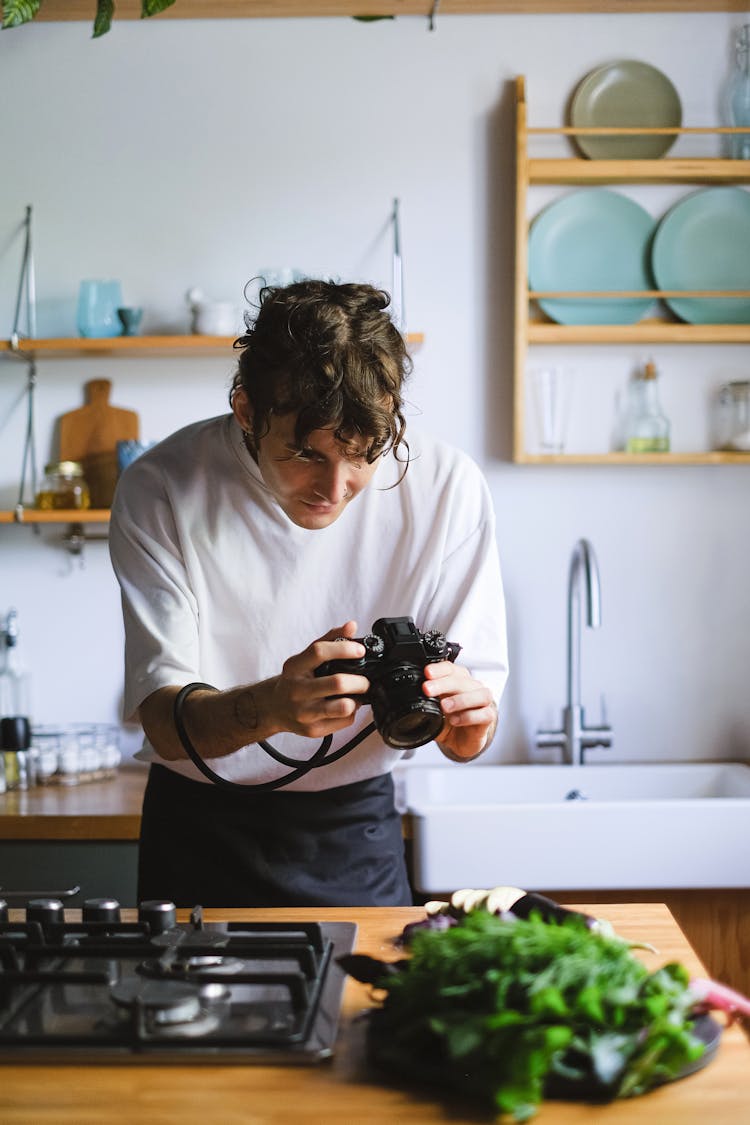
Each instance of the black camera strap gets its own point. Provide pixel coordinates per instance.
(321, 757)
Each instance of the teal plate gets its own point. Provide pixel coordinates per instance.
(704, 243)
(592, 240)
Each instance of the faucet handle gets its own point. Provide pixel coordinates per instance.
(598, 735)
(551, 739)
(603, 710)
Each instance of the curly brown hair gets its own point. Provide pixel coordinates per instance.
(330, 354)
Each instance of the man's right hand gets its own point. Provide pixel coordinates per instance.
(310, 705)
(296, 701)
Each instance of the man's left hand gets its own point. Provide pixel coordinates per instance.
(468, 706)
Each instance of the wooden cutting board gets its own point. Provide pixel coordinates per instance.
(90, 435)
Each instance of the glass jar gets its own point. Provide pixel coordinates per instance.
(738, 95)
(63, 486)
(734, 416)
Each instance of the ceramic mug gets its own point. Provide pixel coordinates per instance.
(130, 319)
(212, 318)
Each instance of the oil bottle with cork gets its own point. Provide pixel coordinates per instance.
(647, 426)
(15, 727)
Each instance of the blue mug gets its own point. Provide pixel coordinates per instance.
(98, 302)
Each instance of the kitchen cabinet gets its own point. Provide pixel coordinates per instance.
(532, 330)
(53, 838)
(347, 1090)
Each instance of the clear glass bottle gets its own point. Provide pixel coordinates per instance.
(63, 486)
(738, 94)
(647, 426)
(14, 707)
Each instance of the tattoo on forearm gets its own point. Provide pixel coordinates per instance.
(246, 710)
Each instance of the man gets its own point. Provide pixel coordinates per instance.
(245, 547)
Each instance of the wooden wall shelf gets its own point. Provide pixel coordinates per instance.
(58, 515)
(119, 345)
(531, 329)
(272, 9)
(136, 345)
(711, 457)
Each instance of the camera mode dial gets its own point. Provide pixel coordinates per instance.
(434, 641)
(374, 644)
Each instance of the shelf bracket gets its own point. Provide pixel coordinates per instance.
(75, 539)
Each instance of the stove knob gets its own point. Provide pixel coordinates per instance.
(47, 911)
(160, 916)
(101, 910)
(3, 910)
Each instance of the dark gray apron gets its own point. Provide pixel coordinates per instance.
(202, 845)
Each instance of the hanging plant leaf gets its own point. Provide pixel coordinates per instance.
(105, 9)
(153, 7)
(16, 12)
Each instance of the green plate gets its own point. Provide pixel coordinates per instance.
(704, 243)
(626, 93)
(592, 239)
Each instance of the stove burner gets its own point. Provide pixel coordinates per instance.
(191, 967)
(168, 1002)
(168, 1007)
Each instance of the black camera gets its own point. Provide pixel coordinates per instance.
(395, 657)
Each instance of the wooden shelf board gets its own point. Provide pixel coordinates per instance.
(644, 332)
(710, 457)
(581, 171)
(271, 9)
(120, 345)
(137, 345)
(60, 515)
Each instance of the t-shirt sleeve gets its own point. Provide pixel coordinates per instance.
(159, 610)
(468, 604)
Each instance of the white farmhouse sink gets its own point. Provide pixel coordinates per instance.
(594, 827)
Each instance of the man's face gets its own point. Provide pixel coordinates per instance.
(314, 484)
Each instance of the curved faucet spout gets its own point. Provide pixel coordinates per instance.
(583, 565)
(575, 737)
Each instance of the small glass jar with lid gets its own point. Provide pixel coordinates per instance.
(734, 416)
(64, 486)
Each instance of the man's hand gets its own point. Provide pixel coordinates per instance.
(220, 722)
(468, 706)
(302, 702)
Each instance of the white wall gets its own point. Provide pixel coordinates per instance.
(178, 153)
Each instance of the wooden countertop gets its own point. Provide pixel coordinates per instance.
(344, 1092)
(96, 810)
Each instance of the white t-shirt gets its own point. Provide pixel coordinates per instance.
(219, 586)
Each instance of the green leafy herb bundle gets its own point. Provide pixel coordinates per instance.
(509, 1010)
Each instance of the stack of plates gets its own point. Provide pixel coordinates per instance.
(626, 94)
(598, 240)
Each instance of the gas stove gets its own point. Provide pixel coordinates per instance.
(155, 990)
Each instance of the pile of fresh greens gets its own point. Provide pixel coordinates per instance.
(508, 1011)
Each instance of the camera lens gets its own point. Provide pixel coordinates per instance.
(403, 715)
(420, 724)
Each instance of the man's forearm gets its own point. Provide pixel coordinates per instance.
(218, 722)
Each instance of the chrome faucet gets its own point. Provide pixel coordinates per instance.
(575, 737)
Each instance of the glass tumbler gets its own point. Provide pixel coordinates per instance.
(98, 302)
